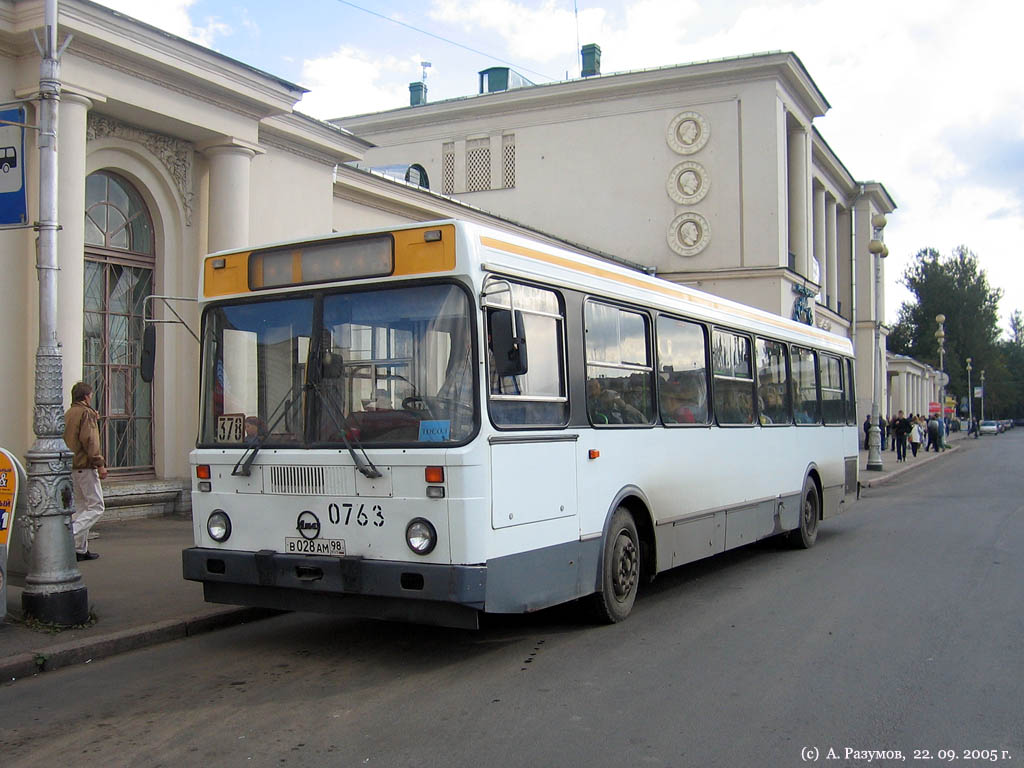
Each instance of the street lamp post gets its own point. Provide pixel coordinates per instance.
(54, 592)
(941, 336)
(983, 394)
(970, 399)
(880, 251)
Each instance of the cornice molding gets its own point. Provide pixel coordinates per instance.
(784, 67)
(175, 155)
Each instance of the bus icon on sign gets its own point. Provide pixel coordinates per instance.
(8, 158)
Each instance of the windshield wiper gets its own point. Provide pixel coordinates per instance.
(243, 466)
(364, 465)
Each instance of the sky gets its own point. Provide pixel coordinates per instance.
(926, 95)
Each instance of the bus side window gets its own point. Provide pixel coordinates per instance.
(682, 378)
(533, 394)
(772, 382)
(806, 406)
(620, 376)
(734, 378)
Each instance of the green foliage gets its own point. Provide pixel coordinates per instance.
(956, 286)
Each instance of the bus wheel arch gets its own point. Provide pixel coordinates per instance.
(628, 558)
(806, 533)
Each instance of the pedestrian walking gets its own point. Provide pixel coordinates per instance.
(916, 435)
(933, 434)
(82, 435)
(867, 430)
(900, 429)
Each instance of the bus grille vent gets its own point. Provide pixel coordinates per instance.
(313, 481)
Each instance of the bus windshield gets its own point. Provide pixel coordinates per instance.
(388, 366)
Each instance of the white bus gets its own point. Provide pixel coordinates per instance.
(434, 421)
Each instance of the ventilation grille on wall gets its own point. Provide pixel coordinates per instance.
(478, 165)
(508, 151)
(448, 168)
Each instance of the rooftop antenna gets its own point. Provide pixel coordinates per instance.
(425, 66)
(579, 55)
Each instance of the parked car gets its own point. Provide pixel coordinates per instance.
(988, 427)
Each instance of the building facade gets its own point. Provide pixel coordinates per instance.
(711, 174)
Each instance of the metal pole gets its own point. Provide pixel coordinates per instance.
(941, 336)
(54, 591)
(878, 249)
(983, 395)
(970, 398)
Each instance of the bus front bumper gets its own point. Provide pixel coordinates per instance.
(428, 593)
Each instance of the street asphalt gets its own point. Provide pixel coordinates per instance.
(138, 597)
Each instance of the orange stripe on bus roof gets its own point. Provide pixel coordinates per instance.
(666, 289)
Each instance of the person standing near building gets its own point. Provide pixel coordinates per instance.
(82, 435)
(867, 430)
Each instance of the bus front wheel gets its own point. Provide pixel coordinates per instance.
(620, 572)
(810, 511)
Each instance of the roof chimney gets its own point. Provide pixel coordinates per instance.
(591, 60)
(417, 94)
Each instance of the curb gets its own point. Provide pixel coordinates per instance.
(887, 476)
(83, 651)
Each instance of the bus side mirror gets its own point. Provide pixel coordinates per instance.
(147, 359)
(508, 343)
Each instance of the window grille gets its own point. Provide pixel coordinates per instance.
(478, 165)
(508, 151)
(448, 168)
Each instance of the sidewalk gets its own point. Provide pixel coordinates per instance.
(140, 599)
(891, 468)
(136, 593)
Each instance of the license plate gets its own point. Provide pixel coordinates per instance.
(300, 546)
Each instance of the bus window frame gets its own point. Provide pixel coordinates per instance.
(753, 380)
(817, 388)
(311, 414)
(491, 397)
(709, 417)
(822, 356)
(654, 419)
(789, 383)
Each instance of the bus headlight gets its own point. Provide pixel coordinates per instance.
(218, 525)
(421, 536)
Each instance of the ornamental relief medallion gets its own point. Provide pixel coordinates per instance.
(174, 154)
(689, 234)
(688, 133)
(688, 183)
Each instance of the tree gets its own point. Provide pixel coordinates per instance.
(954, 286)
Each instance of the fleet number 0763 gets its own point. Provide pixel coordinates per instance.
(348, 513)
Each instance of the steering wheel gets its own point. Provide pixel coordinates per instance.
(415, 403)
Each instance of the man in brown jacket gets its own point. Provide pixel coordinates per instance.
(82, 435)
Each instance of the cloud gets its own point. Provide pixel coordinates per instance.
(172, 16)
(351, 81)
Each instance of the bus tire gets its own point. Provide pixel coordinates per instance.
(810, 512)
(620, 572)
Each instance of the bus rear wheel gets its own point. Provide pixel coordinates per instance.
(620, 572)
(810, 511)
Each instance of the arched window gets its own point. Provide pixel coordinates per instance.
(119, 261)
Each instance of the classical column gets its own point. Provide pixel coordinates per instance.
(819, 243)
(74, 111)
(230, 169)
(831, 253)
(799, 182)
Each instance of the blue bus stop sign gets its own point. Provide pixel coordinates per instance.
(12, 167)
